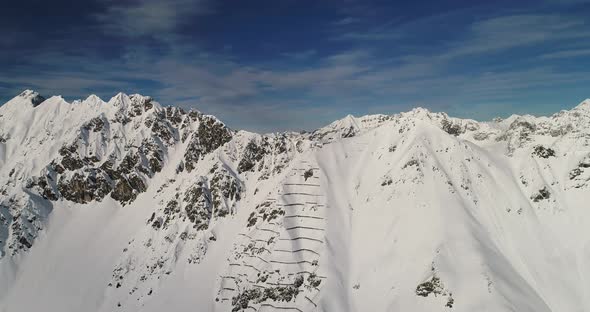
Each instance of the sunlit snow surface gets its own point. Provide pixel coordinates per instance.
(410, 212)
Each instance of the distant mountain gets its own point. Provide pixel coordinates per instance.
(128, 205)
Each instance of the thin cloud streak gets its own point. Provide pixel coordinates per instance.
(566, 54)
(148, 17)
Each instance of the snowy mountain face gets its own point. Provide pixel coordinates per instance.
(127, 205)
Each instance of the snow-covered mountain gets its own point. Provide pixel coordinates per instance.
(127, 205)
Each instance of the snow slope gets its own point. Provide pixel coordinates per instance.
(127, 205)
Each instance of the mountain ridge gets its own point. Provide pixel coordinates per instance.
(417, 112)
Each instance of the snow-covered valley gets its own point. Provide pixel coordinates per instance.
(128, 205)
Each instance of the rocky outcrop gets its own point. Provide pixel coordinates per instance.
(127, 189)
(84, 187)
(210, 135)
(253, 153)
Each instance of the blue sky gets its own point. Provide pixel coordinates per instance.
(294, 64)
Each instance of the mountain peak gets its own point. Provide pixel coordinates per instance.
(120, 99)
(33, 96)
(419, 112)
(93, 98)
(27, 93)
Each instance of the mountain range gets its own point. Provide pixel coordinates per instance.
(128, 205)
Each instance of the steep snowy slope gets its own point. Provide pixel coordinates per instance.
(126, 205)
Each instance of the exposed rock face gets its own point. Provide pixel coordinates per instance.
(253, 154)
(224, 188)
(127, 189)
(543, 152)
(95, 124)
(210, 135)
(71, 160)
(93, 185)
(213, 196)
(451, 128)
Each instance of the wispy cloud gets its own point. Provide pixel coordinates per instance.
(513, 31)
(301, 55)
(346, 21)
(567, 54)
(148, 17)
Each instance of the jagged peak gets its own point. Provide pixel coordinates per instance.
(345, 122)
(28, 93)
(348, 120)
(120, 100)
(120, 95)
(33, 96)
(93, 97)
